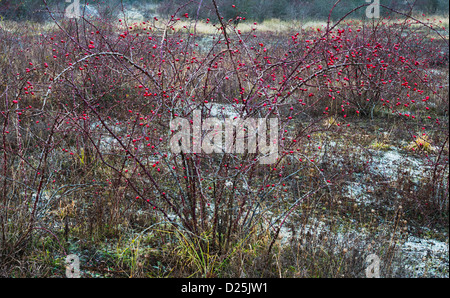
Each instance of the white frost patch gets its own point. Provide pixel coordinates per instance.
(387, 163)
(89, 11)
(108, 143)
(358, 192)
(424, 247)
(425, 258)
(132, 14)
(223, 110)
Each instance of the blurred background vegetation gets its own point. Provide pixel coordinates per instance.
(253, 10)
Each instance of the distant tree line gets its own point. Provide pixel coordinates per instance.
(255, 10)
(27, 9)
(260, 10)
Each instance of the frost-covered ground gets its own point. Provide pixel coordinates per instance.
(420, 257)
(425, 257)
(415, 257)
